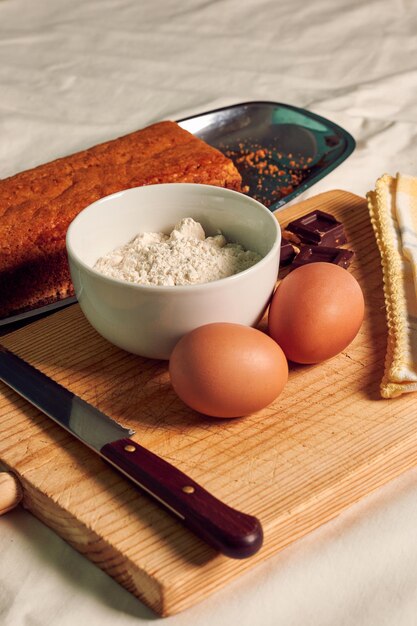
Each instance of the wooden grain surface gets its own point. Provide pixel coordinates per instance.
(327, 441)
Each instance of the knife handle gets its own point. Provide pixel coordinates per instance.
(233, 533)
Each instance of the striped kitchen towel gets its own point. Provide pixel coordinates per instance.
(393, 211)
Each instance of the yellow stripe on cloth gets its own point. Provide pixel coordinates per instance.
(393, 211)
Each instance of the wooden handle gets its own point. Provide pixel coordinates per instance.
(235, 534)
(10, 492)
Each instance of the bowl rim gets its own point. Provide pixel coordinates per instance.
(73, 257)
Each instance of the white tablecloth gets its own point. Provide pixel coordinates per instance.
(73, 73)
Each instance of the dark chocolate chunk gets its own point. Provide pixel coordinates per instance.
(318, 228)
(314, 254)
(287, 252)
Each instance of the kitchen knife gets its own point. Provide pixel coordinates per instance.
(233, 533)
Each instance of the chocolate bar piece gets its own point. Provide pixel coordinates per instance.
(313, 254)
(287, 252)
(318, 228)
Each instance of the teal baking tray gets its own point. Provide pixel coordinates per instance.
(280, 150)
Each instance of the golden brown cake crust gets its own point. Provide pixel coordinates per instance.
(37, 206)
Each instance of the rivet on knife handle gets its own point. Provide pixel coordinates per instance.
(235, 534)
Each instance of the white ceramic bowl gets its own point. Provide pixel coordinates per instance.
(149, 320)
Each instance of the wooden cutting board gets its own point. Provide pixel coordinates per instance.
(327, 441)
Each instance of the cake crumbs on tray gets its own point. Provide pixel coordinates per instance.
(268, 174)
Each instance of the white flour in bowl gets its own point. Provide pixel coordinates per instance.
(185, 257)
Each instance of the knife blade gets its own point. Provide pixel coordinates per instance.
(235, 534)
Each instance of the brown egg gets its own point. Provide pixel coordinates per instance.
(227, 370)
(316, 312)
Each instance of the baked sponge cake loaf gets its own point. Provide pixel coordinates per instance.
(37, 206)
